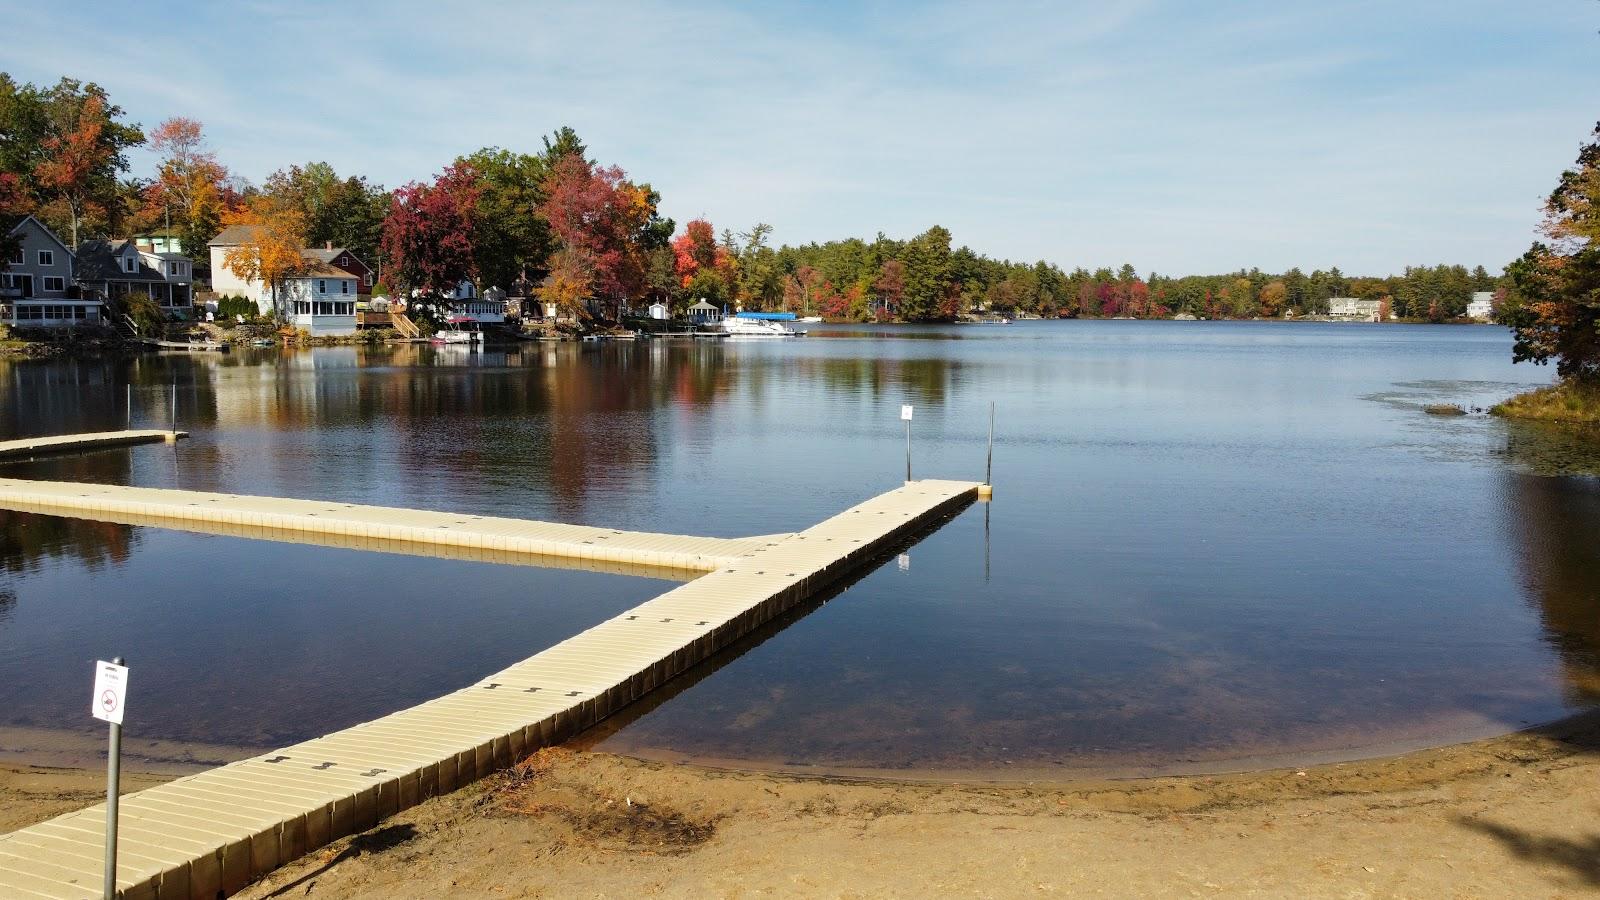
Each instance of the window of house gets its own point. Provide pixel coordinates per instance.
(128, 265)
(369, 279)
(55, 283)
(322, 287)
(18, 258)
(47, 257)
(344, 287)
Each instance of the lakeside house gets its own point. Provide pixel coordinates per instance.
(321, 299)
(116, 270)
(1355, 309)
(163, 240)
(659, 311)
(342, 259)
(464, 303)
(37, 286)
(1481, 306)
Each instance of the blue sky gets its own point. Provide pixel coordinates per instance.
(1179, 136)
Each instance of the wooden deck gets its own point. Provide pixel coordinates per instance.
(76, 443)
(216, 831)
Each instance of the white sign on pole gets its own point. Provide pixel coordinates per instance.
(110, 690)
(905, 413)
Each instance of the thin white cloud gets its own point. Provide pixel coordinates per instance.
(1176, 136)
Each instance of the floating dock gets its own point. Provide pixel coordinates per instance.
(77, 443)
(214, 832)
(380, 527)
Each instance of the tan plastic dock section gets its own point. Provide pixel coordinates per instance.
(73, 443)
(382, 528)
(216, 831)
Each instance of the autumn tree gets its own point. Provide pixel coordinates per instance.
(65, 147)
(890, 285)
(73, 162)
(1274, 298)
(189, 185)
(273, 249)
(427, 236)
(608, 223)
(1554, 307)
(567, 285)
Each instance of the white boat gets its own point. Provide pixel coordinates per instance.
(812, 320)
(760, 325)
(456, 335)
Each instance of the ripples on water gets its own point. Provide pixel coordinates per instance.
(1210, 542)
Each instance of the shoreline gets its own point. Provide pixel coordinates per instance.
(1493, 816)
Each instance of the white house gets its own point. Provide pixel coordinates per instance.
(321, 300)
(37, 283)
(658, 310)
(1355, 308)
(1481, 307)
(464, 301)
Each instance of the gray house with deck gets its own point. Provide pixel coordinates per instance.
(38, 287)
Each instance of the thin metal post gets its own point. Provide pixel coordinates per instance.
(988, 466)
(130, 406)
(113, 794)
(908, 450)
(174, 407)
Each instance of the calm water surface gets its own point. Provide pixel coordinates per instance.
(1212, 545)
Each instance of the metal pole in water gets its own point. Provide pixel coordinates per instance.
(174, 407)
(129, 406)
(988, 466)
(908, 450)
(113, 792)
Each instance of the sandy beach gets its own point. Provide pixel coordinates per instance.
(1509, 816)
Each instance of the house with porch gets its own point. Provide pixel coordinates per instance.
(115, 270)
(37, 286)
(320, 299)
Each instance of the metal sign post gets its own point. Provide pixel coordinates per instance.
(110, 691)
(905, 416)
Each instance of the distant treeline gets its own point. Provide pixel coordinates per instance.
(584, 236)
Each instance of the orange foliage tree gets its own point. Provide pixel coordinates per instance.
(189, 185)
(274, 249)
(72, 161)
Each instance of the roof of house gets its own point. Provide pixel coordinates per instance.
(328, 256)
(233, 236)
(97, 261)
(14, 223)
(166, 255)
(703, 305)
(319, 268)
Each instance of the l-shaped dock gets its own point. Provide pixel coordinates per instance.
(212, 833)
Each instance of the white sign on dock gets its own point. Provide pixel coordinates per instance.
(905, 413)
(110, 690)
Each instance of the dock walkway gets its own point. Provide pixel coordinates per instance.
(216, 831)
(74, 443)
(273, 518)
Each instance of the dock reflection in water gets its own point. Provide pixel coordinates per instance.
(1209, 544)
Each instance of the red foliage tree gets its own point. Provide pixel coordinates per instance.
(427, 236)
(607, 221)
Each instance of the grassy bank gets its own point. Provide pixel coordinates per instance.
(1570, 402)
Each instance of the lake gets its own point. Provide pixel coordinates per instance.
(1212, 546)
